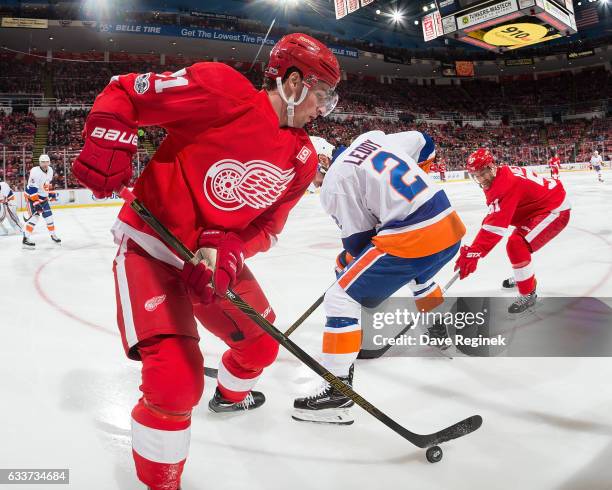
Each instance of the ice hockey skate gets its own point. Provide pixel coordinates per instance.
(325, 405)
(253, 400)
(27, 243)
(523, 303)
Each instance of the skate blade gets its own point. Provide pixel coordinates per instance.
(227, 413)
(531, 311)
(332, 416)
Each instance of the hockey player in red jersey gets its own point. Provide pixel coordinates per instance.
(441, 168)
(538, 209)
(234, 164)
(555, 164)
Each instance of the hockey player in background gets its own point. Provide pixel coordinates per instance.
(442, 170)
(233, 165)
(8, 211)
(555, 164)
(324, 150)
(596, 162)
(38, 193)
(400, 227)
(538, 208)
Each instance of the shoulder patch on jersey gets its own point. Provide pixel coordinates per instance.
(304, 154)
(141, 84)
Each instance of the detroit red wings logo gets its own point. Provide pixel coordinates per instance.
(230, 184)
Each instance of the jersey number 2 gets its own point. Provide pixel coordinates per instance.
(398, 172)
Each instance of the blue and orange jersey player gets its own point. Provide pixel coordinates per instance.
(401, 228)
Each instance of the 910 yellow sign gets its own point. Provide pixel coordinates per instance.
(515, 34)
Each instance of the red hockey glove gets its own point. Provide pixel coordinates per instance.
(105, 162)
(198, 279)
(467, 261)
(221, 258)
(228, 260)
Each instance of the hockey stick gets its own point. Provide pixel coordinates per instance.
(262, 45)
(376, 353)
(213, 372)
(454, 431)
(305, 315)
(13, 217)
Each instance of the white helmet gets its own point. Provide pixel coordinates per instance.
(322, 146)
(44, 158)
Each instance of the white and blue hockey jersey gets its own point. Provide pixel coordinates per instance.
(376, 190)
(39, 184)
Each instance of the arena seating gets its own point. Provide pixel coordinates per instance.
(77, 84)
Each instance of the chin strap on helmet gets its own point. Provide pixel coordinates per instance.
(291, 102)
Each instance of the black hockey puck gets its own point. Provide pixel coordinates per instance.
(434, 454)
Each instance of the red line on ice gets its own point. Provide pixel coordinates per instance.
(61, 309)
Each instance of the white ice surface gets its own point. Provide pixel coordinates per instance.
(67, 388)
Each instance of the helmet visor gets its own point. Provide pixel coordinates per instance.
(327, 98)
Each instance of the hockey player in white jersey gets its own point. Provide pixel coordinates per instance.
(596, 162)
(8, 211)
(400, 227)
(38, 192)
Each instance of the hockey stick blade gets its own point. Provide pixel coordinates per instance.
(454, 431)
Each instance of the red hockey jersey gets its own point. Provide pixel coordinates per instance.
(554, 162)
(516, 195)
(225, 163)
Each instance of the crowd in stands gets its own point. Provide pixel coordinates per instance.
(17, 77)
(477, 98)
(17, 131)
(65, 128)
(79, 83)
(514, 145)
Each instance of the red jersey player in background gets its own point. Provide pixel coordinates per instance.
(555, 164)
(441, 168)
(233, 165)
(538, 209)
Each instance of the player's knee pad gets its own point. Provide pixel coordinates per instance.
(258, 353)
(172, 373)
(518, 250)
(338, 303)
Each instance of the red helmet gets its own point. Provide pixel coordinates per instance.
(311, 57)
(479, 159)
